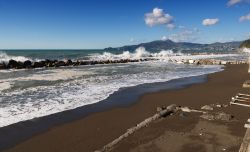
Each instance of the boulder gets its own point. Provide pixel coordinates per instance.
(2, 66)
(68, 62)
(207, 107)
(20, 65)
(84, 63)
(59, 63)
(76, 63)
(12, 64)
(38, 64)
(27, 64)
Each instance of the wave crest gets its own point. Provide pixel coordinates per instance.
(139, 53)
(4, 57)
(246, 50)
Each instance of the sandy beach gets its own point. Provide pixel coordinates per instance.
(179, 132)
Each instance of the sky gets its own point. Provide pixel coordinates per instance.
(96, 24)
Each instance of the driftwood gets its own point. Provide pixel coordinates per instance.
(169, 110)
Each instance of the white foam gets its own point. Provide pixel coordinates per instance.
(5, 86)
(246, 50)
(4, 57)
(90, 84)
(45, 100)
(51, 75)
(141, 53)
(56, 74)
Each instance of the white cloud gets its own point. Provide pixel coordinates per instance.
(164, 38)
(170, 26)
(158, 17)
(209, 22)
(245, 18)
(233, 2)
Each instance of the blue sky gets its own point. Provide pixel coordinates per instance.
(89, 24)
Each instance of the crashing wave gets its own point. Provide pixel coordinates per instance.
(4, 57)
(246, 50)
(165, 55)
(139, 53)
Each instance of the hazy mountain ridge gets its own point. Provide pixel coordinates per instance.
(168, 44)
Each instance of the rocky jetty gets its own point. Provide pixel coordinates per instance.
(13, 64)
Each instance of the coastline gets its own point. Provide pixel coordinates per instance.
(96, 130)
(124, 97)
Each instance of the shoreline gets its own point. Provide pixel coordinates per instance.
(96, 130)
(124, 97)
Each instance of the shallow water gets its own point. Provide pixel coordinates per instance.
(28, 94)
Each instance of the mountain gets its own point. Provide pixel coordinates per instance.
(168, 44)
(245, 44)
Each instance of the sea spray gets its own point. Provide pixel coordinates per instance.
(5, 58)
(142, 53)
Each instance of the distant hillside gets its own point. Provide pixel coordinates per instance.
(168, 44)
(245, 44)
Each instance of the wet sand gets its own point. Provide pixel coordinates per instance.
(96, 130)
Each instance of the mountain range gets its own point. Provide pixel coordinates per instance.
(168, 44)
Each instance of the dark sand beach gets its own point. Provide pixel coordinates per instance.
(174, 133)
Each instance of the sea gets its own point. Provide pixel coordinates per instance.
(26, 94)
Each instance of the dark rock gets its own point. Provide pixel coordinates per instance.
(27, 64)
(38, 64)
(2, 66)
(51, 64)
(20, 65)
(12, 64)
(76, 63)
(59, 63)
(84, 63)
(92, 63)
(68, 63)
